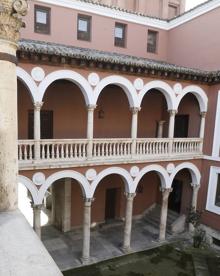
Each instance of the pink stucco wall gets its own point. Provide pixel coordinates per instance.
(65, 32)
(196, 43)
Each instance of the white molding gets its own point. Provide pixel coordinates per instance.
(124, 83)
(161, 171)
(128, 181)
(198, 92)
(81, 179)
(211, 158)
(164, 88)
(135, 18)
(31, 188)
(216, 140)
(27, 80)
(194, 171)
(69, 75)
(213, 178)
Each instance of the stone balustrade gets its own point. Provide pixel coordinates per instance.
(76, 150)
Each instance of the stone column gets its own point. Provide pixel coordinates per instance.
(90, 127)
(128, 222)
(134, 128)
(196, 188)
(37, 129)
(66, 214)
(163, 215)
(202, 129)
(171, 128)
(86, 230)
(37, 219)
(160, 129)
(10, 24)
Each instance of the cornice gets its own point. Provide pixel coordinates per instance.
(133, 17)
(56, 54)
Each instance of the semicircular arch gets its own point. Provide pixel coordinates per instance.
(83, 182)
(161, 172)
(194, 172)
(122, 82)
(198, 92)
(164, 88)
(71, 76)
(128, 181)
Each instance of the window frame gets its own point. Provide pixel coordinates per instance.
(122, 43)
(212, 190)
(156, 42)
(41, 29)
(81, 35)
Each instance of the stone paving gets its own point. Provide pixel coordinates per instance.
(106, 242)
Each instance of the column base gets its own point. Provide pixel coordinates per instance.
(85, 260)
(126, 250)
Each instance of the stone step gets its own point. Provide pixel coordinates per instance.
(153, 218)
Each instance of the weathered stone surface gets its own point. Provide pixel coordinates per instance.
(21, 251)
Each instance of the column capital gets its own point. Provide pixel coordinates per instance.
(91, 107)
(195, 185)
(172, 112)
(135, 110)
(161, 122)
(38, 105)
(36, 206)
(88, 201)
(10, 18)
(130, 196)
(166, 191)
(203, 114)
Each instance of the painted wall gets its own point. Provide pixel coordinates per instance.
(102, 33)
(194, 44)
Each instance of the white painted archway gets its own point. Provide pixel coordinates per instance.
(122, 82)
(194, 172)
(161, 172)
(83, 182)
(27, 80)
(69, 75)
(31, 188)
(114, 170)
(198, 92)
(164, 88)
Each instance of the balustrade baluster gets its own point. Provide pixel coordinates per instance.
(30, 153)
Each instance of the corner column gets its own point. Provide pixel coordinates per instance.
(86, 230)
(37, 219)
(134, 128)
(202, 129)
(128, 222)
(163, 214)
(171, 128)
(37, 129)
(90, 127)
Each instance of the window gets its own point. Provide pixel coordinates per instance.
(152, 41)
(217, 196)
(173, 11)
(84, 27)
(42, 20)
(120, 35)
